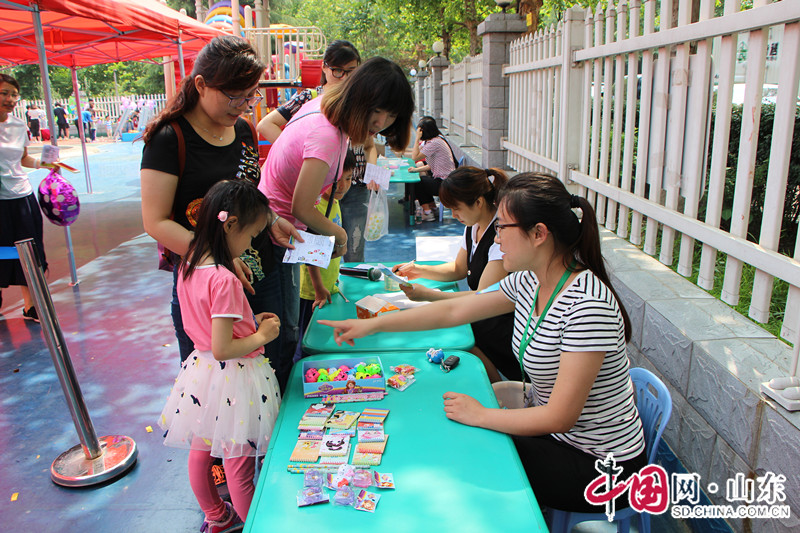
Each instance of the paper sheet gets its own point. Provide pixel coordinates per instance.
(400, 300)
(316, 250)
(380, 175)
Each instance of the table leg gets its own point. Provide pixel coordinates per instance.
(411, 203)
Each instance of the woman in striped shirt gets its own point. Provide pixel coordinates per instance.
(570, 332)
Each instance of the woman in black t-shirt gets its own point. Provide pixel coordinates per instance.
(470, 193)
(198, 140)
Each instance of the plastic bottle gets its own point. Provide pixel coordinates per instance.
(417, 212)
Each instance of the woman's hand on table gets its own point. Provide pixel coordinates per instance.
(283, 231)
(416, 292)
(463, 408)
(244, 274)
(349, 330)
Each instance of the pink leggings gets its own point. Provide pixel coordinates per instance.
(239, 472)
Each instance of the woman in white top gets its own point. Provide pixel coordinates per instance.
(569, 333)
(20, 217)
(470, 193)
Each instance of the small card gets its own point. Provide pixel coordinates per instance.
(306, 451)
(372, 447)
(388, 272)
(367, 501)
(334, 445)
(383, 481)
(333, 460)
(366, 459)
(342, 419)
(379, 175)
(371, 435)
(350, 432)
(316, 250)
(311, 496)
(311, 423)
(312, 434)
(49, 153)
(373, 416)
(319, 410)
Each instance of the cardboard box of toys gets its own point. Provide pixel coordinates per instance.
(362, 375)
(370, 307)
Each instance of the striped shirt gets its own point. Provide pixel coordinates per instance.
(585, 317)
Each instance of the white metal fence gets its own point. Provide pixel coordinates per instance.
(108, 107)
(619, 102)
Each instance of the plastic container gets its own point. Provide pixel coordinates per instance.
(509, 394)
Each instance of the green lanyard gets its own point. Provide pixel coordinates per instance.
(526, 339)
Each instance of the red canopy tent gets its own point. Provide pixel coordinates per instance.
(80, 33)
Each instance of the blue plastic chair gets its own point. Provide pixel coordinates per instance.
(655, 407)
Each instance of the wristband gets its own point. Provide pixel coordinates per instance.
(277, 217)
(340, 245)
(37, 163)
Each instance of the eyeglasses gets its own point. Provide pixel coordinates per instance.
(238, 101)
(14, 96)
(339, 73)
(498, 227)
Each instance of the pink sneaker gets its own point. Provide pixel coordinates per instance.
(229, 524)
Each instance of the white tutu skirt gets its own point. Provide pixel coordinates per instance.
(227, 408)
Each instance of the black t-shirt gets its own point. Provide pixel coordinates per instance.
(61, 115)
(206, 165)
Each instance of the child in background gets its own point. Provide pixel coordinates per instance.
(225, 399)
(318, 284)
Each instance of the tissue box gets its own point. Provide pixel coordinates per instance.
(351, 387)
(370, 307)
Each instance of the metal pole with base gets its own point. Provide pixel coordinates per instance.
(92, 461)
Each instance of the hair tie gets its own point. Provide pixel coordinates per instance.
(223, 216)
(575, 201)
(489, 175)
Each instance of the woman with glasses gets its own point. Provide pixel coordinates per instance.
(309, 154)
(340, 59)
(470, 193)
(199, 139)
(20, 217)
(570, 331)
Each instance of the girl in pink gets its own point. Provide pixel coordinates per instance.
(225, 399)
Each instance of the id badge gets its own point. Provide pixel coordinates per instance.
(527, 397)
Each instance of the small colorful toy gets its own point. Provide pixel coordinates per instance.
(435, 355)
(362, 478)
(400, 381)
(312, 478)
(404, 369)
(311, 375)
(344, 496)
(311, 496)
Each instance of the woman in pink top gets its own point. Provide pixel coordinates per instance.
(308, 156)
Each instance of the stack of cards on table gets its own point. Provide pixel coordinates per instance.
(371, 437)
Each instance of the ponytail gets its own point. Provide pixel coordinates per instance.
(532, 198)
(466, 184)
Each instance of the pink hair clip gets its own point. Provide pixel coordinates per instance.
(223, 216)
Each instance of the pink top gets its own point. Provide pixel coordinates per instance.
(308, 135)
(438, 156)
(214, 292)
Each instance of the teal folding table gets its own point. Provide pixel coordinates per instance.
(319, 338)
(449, 477)
(400, 174)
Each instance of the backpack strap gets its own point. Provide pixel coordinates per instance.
(452, 154)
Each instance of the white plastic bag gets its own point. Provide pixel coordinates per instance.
(377, 215)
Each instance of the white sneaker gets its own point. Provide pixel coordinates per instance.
(427, 216)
